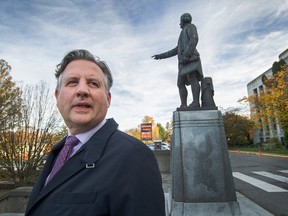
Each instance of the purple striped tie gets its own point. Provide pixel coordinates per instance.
(63, 156)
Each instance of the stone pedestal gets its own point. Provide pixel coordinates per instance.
(202, 182)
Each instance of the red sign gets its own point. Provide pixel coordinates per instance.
(146, 131)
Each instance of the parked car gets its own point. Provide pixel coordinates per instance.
(159, 145)
(165, 146)
(151, 146)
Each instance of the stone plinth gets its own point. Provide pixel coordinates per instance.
(202, 182)
(15, 201)
(163, 159)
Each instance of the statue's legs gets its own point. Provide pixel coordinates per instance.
(195, 88)
(182, 91)
(183, 96)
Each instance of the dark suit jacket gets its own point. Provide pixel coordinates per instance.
(112, 174)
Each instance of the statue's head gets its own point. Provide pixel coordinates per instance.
(185, 19)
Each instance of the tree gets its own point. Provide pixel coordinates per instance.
(272, 103)
(135, 132)
(10, 98)
(162, 132)
(169, 131)
(277, 66)
(165, 133)
(24, 144)
(148, 119)
(237, 128)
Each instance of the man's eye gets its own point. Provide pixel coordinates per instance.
(71, 83)
(94, 84)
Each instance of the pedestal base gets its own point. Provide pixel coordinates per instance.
(202, 180)
(205, 209)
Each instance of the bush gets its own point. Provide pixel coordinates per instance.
(286, 140)
(274, 142)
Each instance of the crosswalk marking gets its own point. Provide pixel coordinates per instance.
(272, 176)
(258, 183)
(284, 171)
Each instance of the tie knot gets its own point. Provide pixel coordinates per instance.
(72, 141)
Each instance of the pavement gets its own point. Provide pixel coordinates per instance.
(247, 207)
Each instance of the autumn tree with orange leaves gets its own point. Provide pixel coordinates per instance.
(271, 104)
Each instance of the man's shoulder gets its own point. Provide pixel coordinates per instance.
(190, 26)
(128, 138)
(124, 141)
(129, 141)
(126, 145)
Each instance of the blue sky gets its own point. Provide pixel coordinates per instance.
(238, 40)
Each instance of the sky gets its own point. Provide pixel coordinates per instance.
(238, 41)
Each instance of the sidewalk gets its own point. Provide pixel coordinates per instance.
(247, 207)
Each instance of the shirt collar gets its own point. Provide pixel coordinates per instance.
(84, 137)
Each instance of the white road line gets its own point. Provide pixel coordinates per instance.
(283, 171)
(257, 183)
(272, 176)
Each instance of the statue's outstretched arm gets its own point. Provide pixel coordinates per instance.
(167, 54)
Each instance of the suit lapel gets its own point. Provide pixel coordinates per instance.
(70, 168)
(96, 145)
(89, 154)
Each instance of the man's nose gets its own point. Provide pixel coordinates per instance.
(82, 90)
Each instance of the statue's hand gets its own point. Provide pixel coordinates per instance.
(185, 59)
(156, 57)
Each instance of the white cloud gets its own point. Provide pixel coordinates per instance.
(238, 41)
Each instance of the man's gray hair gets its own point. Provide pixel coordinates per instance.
(82, 54)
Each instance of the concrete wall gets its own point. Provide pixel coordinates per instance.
(163, 159)
(15, 201)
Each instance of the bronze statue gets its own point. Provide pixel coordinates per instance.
(189, 63)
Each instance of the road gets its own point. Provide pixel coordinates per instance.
(262, 179)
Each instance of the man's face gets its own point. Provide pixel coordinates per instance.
(182, 24)
(82, 98)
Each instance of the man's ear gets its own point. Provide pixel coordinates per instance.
(56, 93)
(108, 99)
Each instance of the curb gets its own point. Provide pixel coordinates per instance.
(259, 154)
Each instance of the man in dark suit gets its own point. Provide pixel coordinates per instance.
(105, 171)
(187, 53)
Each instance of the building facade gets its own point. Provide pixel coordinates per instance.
(264, 133)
